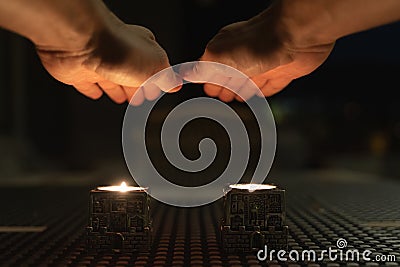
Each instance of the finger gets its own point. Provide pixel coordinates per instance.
(247, 91)
(274, 86)
(175, 89)
(192, 73)
(212, 89)
(138, 97)
(90, 90)
(202, 71)
(259, 81)
(226, 95)
(167, 80)
(114, 91)
(232, 87)
(129, 91)
(151, 91)
(216, 85)
(260, 92)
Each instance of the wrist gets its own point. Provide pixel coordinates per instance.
(307, 23)
(77, 29)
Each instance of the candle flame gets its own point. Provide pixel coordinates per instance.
(252, 187)
(123, 187)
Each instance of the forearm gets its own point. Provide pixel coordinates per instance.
(55, 24)
(329, 20)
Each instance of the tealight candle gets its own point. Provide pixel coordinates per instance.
(254, 216)
(119, 218)
(120, 188)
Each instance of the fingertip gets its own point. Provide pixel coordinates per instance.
(150, 91)
(95, 95)
(129, 92)
(89, 90)
(226, 95)
(187, 72)
(138, 98)
(259, 93)
(196, 73)
(261, 96)
(168, 80)
(238, 98)
(226, 100)
(118, 97)
(212, 89)
(119, 101)
(175, 89)
(136, 103)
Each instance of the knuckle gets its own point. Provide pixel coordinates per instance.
(148, 33)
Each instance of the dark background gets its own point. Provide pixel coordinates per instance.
(345, 115)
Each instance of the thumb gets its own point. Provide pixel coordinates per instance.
(167, 80)
(203, 71)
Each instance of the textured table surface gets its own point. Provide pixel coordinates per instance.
(366, 214)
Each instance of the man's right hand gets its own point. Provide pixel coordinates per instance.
(116, 61)
(83, 44)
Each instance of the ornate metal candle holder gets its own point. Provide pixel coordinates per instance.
(254, 216)
(119, 219)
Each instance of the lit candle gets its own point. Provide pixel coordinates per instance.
(119, 218)
(121, 188)
(252, 187)
(254, 215)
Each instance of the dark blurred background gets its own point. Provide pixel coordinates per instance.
(345, 115)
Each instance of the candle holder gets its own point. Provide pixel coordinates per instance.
(119, 219)
(254, 216)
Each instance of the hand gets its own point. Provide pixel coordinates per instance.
(265, 49)
(116, 61)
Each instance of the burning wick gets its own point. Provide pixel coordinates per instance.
(121, 188)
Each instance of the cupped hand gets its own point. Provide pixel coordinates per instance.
(116, 61)
(264, 49)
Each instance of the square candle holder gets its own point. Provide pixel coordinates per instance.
(119, 219)
(254, 216)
